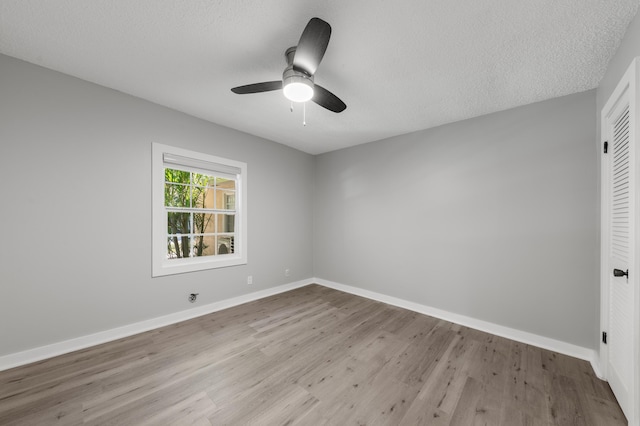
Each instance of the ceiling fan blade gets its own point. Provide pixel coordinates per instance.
(311, 47)
(266, 86)
(327, 100)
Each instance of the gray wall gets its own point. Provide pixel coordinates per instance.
(494, 218)
(75, 254)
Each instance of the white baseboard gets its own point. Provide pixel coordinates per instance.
(559, 346)
(59, 348)
(596, 364)
(43, 352)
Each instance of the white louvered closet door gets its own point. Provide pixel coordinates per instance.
(620, 289)
(619, 210)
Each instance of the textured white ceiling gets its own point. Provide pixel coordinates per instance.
(400, 66)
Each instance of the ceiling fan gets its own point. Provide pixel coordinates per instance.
(302, 63)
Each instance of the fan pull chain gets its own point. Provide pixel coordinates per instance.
(304, 112)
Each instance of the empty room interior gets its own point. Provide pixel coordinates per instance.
(319, 213)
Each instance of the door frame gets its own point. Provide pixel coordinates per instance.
(631, 82)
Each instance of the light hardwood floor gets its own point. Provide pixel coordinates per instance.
(311, 356)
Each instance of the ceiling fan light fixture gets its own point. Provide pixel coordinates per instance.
(298, 88)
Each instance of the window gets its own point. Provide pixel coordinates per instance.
(198, 213)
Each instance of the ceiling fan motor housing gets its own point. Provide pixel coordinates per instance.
(290, 76)
(297, 85)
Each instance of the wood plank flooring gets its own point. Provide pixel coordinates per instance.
(311, 356)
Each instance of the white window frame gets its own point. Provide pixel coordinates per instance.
(166, 156)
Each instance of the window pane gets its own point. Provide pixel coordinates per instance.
(203, 180)
(204, 245)
(225, 183)
(225, 245)
(226, 223)
(203, 197)
(178, 247)
(176, 195)
(226, 199)
(203, 223)
(176, 176)
(178, 223)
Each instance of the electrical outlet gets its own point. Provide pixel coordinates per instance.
(287, 272)
(250, 280)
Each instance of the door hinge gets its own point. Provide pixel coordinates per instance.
(606, 146)
(604, 337)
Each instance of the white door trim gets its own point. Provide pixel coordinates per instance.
(631, 82)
